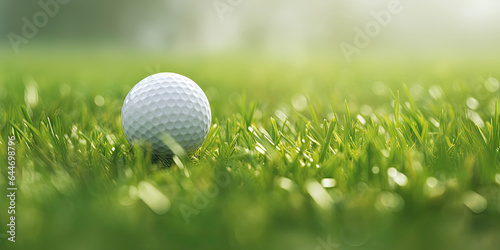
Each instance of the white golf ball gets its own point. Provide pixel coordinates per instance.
(166, 105)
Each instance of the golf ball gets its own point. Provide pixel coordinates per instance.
(166, 105)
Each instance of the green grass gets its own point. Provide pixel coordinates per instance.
(418, 175)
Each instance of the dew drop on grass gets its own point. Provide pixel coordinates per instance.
(361, 119)
(472, 103)
(475, 202)
(397, 177)
(433, 187)
(153, 198)
(432, 182)
(492, 84)
(328, 182)
(392, 172)
(285, 183)
(385, 152)
(476, 118)
(389, 202)
(436, 92)
(299, 102)
(408, 105)
(319, 194)
(401, 179)
(99, 100)
(31, 94)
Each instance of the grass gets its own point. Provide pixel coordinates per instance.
(299, 156)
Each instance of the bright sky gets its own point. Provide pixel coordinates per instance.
(425, 25)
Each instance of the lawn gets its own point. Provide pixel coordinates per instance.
(301, 155)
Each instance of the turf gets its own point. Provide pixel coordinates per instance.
(310, 155)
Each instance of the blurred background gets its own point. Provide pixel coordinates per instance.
(447, 29)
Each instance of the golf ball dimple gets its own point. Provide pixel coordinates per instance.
(166, 104)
